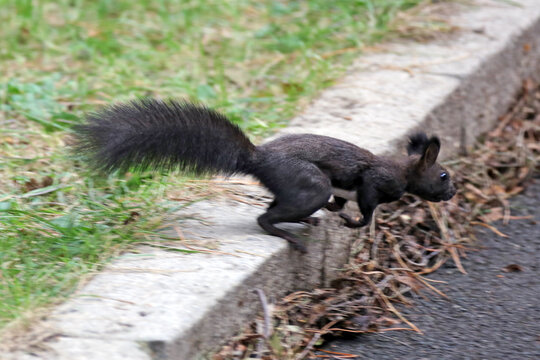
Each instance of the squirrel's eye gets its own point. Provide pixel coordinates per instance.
(444, 175)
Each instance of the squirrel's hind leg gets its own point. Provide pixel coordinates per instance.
(287, 211)
(267, 223)
(337, 204)
(311, 220)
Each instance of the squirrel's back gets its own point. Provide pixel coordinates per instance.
(157, 134)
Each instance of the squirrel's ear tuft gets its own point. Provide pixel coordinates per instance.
(435, 140)
(431, 152)
(417, 143)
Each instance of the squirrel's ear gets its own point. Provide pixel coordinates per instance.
(417, 143)
(431, 152)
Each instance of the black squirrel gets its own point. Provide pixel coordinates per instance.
(302, 171)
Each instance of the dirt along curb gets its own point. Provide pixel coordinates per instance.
(158, 304)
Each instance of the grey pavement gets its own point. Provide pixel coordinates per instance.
(492, 314)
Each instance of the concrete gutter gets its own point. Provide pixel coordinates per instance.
(156, 304)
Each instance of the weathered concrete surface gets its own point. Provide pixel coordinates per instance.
(454, 87)
(157, 304)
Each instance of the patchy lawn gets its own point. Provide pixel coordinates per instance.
(257, 61)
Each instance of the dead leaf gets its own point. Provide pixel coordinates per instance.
(492, 228)
(132, 217)
(497, 189)
(93, 33)
(31, 184)
(362, 322)
(523, 172)
(516, 190)
(46, 181)
(512, 268)
(410, 281)
(456, 259)
(493, 215)
(474, 193)
(419, 217)
(388, 321)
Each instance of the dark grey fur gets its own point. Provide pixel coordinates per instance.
(300, 170)
(155, 134)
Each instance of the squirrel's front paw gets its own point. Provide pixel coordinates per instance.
(350, 222)
(299, 246)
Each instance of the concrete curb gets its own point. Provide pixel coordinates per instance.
(163, 305)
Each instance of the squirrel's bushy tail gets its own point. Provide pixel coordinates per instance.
(163, 134)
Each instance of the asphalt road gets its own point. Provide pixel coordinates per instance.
(492, 314)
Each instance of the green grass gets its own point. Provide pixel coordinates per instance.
(258, 61)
